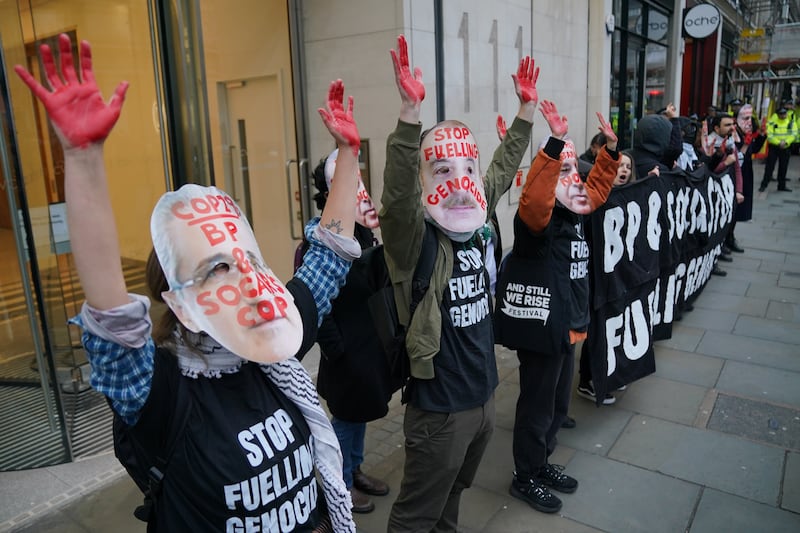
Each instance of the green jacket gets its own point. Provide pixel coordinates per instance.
(402, 225)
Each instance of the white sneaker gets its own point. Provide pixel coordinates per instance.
(587, 391)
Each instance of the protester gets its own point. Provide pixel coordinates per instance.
(550, 260)
(597, 143)
(228, 336)
(353, 374)
(751, 140)
(650, 141)
(435, 179)
(626, 174)
(781, 133)
(726, 151)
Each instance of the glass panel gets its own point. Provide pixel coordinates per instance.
(119, 32)
(635, 16)
(655, 78)
(251, 119)
(616, 87)
(657, 26)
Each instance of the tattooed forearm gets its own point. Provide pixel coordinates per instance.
(334, 225)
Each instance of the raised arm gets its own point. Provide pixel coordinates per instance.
(604, 170)
(401, 215)
(539, 192)
(338, 214)
(410, 86)
(82, 121)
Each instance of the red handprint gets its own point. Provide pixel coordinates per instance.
(76, 108)
(339, 120)
(501, 127)
(606, 129)
(411, 87)
(558, 123)
(525, 80)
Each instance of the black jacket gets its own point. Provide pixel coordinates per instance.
(353, 369)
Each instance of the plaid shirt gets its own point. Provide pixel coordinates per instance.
(123, 373)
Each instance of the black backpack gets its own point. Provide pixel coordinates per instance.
(383, 307)
(145, 466)
(382, 304)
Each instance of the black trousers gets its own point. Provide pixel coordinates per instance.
(781, 155)
(545, 387)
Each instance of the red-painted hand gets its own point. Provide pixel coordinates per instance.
(76, 108)
(412, 90)
(558, 123)
(338, 120)
(606, 129)
(525, 80)
(501, 127)
(763, 125)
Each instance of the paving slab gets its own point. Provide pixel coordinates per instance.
(742, 305)
(684, 338)
(687, 367)
(517, 517)
(756, 420)
(762, 328)
(747, 349)
(743, 262)
(711, 459)
(726, 286)
(760, 382)
(790, 499)
(719, 511)
(789, 312)
(663, 398)
(716, 321)
(750, 276)
(109, 509)
(653, 502)
(597, 429)
(773, 292)
(790, 279)
(762, 253)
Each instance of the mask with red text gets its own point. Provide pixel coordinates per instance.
(219, 282)
(452, 189)
(366, 214)
(570, 189)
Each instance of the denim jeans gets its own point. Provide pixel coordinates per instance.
(351, 441)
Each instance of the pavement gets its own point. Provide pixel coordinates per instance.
(710, 442)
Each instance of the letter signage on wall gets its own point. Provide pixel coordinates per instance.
(701, 21)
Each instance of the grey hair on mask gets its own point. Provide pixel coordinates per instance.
(190, 198)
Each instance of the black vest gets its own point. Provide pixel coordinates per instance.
(543, 286)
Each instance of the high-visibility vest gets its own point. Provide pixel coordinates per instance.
(781, 130)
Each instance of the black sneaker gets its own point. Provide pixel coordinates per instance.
(733, 245)
(587, 391)
(535, 494)
(551, 476)
(568, 422)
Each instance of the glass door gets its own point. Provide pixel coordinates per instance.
(248, 65)
(48, 411)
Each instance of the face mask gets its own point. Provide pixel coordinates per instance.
(570, 189)
(366, 214)
(219, 282)
(452, 189)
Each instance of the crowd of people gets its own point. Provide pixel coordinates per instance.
(258, 450)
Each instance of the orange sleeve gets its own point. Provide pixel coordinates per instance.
(601, 178)
(539, 192)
